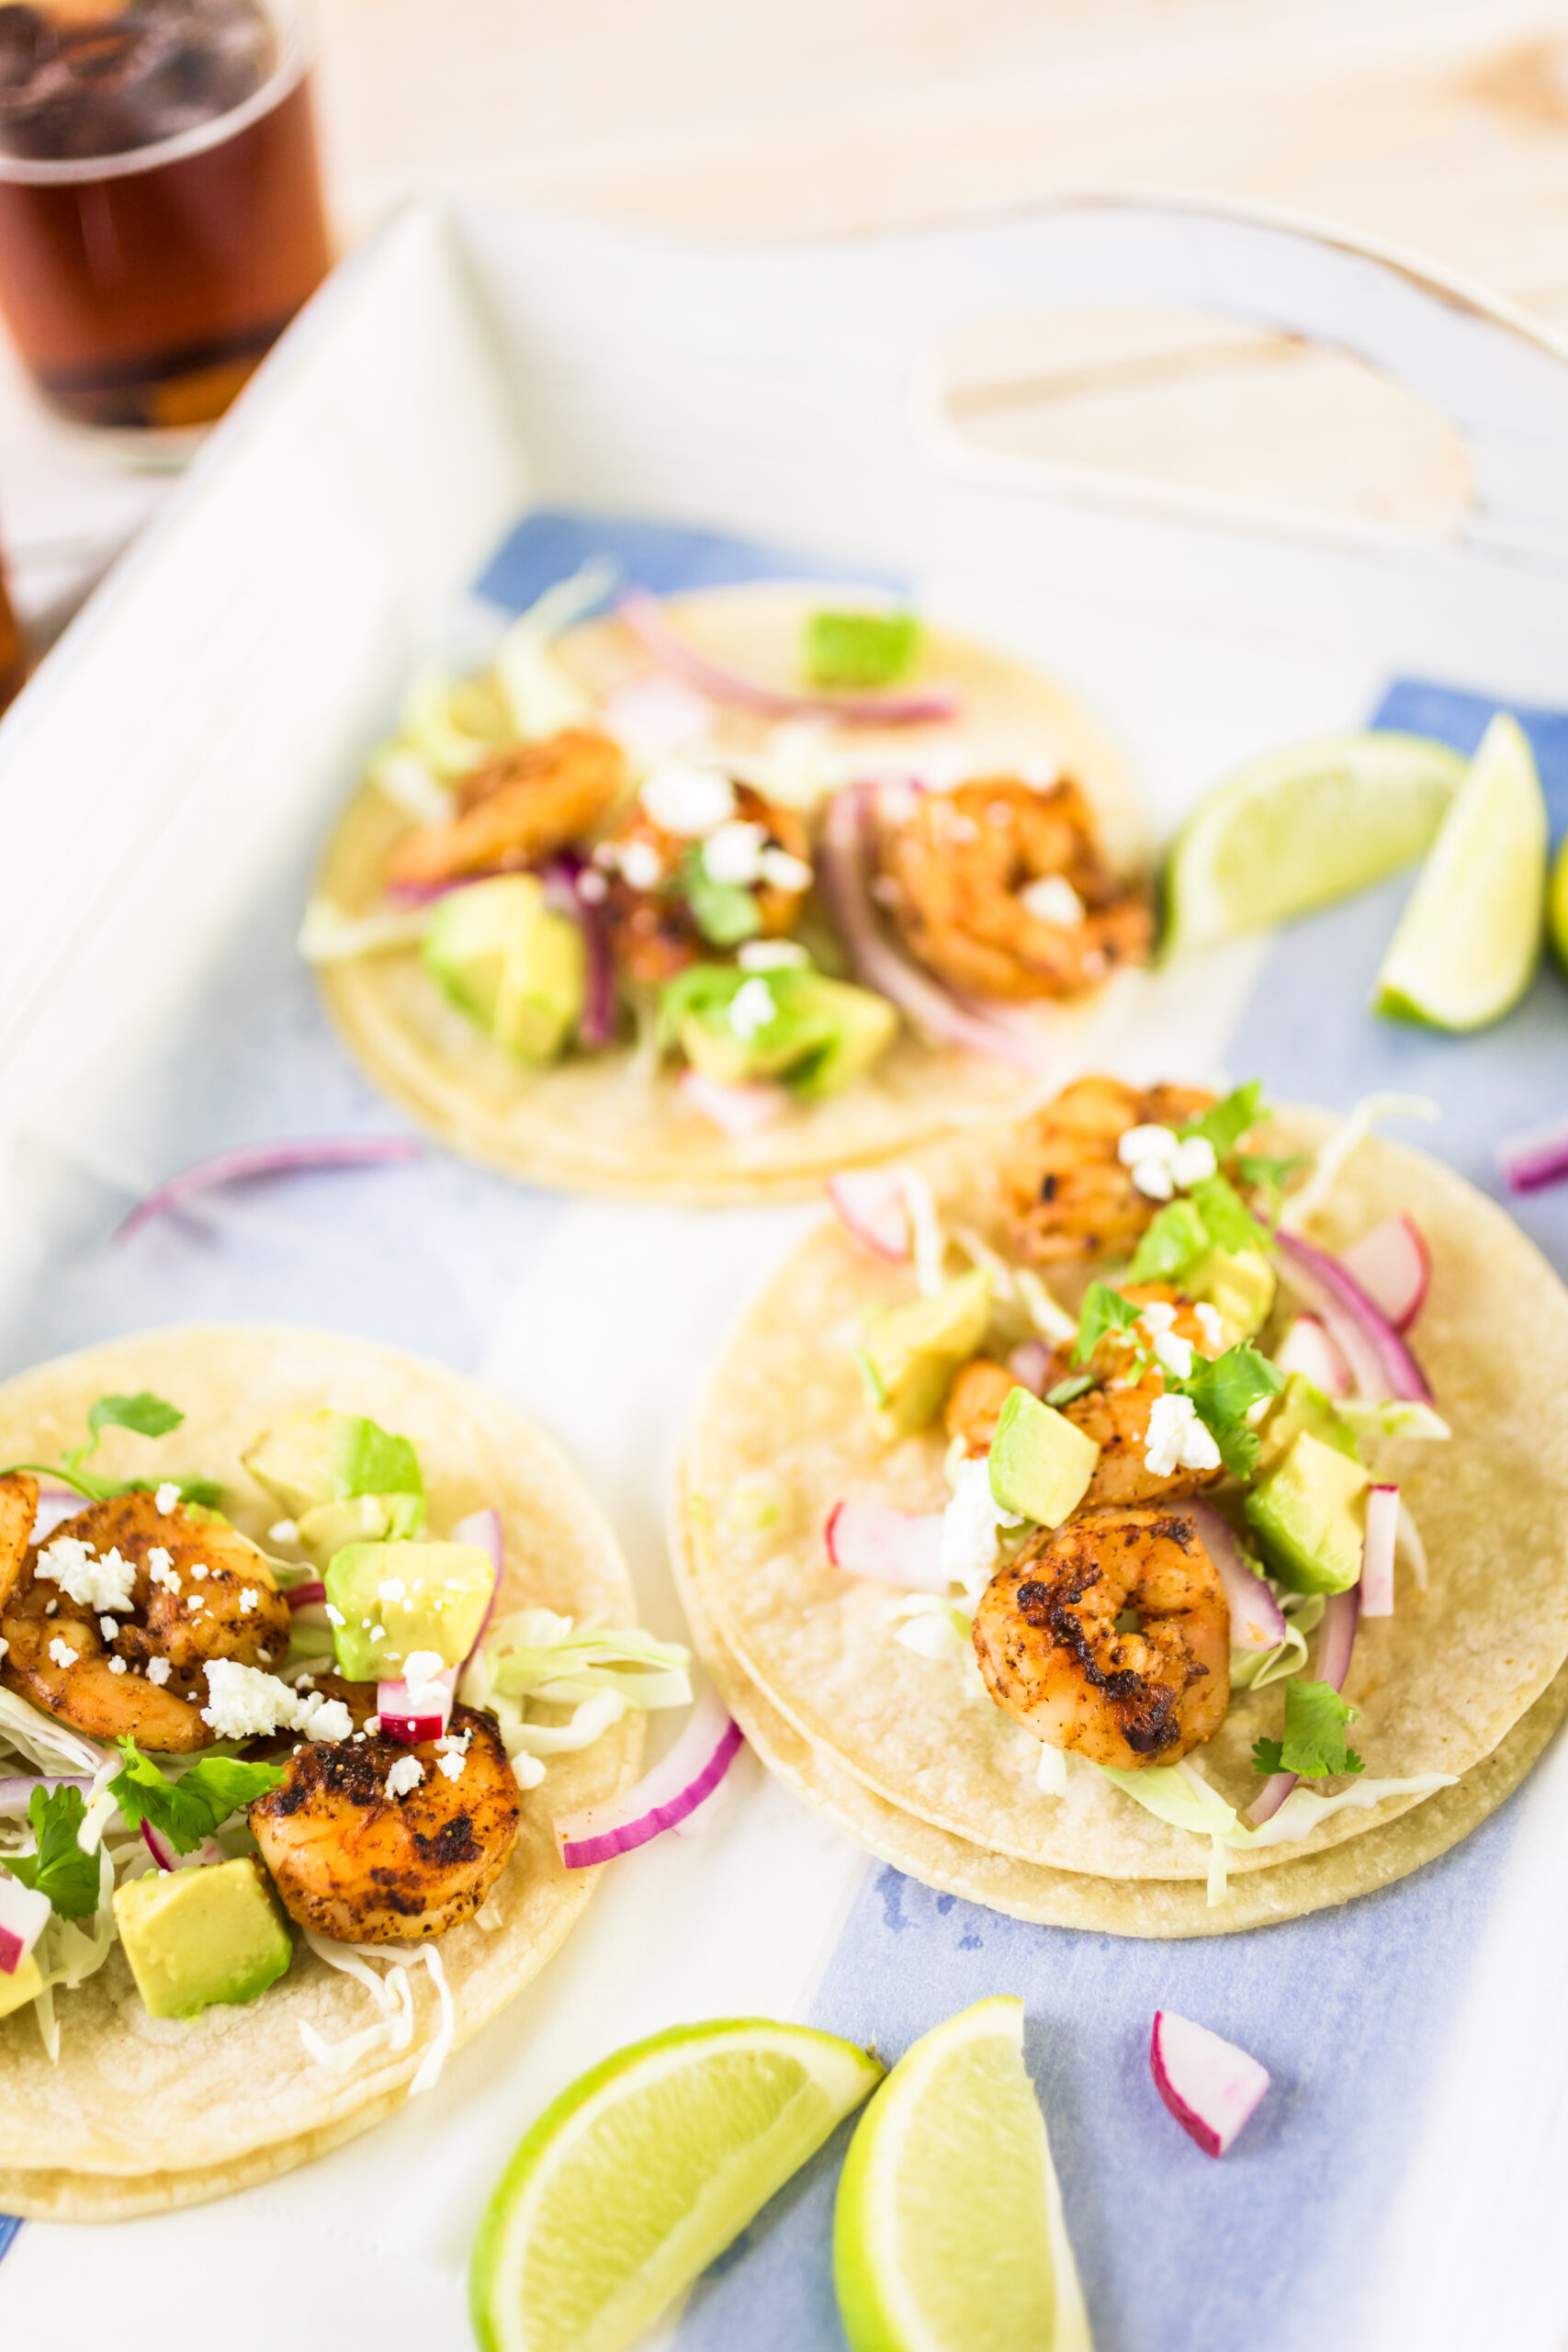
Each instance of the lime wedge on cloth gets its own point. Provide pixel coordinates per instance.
(949, 2232)
(1468, 939)
(1302, 827)
(644, 2170)
(1557, 905)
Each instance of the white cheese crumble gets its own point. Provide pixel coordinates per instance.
(285, 1532)
(687, 799)
(752, 1007)
(335, 1616)
(198, 1572)
(117, 1666)
(248, 1597)
(642, 865)
(96, 1584)
(781, 871)
(61, 1652)
(372, 1724)
(771, 955)
(1178, 1440)
(159, 1570)
(1051, 899)
(1211, 1325)
(732, 853)
(971, 1526)
(167, 1498)
(389, 1588)
(1162, 1164)
(158, 1670)
(1173, 1354)
(108, 1628)
(406, 1774)
(452, 1765)
(244, 1704)
(322, 1719)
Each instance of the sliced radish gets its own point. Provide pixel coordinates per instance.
(1307, 1349)
(1378, 1548)
(1531, 1162)
(1393, 1266)
(166, 1858)
(1030, 1365)
(1209, 2085)
(1381, 1365)
(24, 1915)
(309, 1595)
(1410, 1544)
(738, 1110)
(872, 1207)
(1257, 1621)
(663, 1798)
(412, 1711)
(902, 1547)
(484, 1529)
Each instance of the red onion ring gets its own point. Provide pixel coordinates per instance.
(1257, 1621)
(710, 1744)
(253, 1160)
(1381, 1365)
(645, 618)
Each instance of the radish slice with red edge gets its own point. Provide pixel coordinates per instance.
(871, 1206)
(1307, 1349)
(1378, 1549)
(1381, 1365)
(1029, 1363)
(901, 1547)
(307, 1595)
(167, 1859)
(643, 617)
(1210, 2086)
(410, 1715)
(24, 1915)
(301, 1157)
(1257, 1621)
(741, 1111)
(1394, 1267)
(1529, 1163)
(675, 1788)
(1340, 1619)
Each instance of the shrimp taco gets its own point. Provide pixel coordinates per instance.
(714, 896)
(1074, 1520)
(308, 1652)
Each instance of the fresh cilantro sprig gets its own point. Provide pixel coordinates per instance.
(1213, 1216)
(1265, 1174)
(189, 1809)
(1103, 1311)
(59, 1868)
(1076, 1384)
(1226, 1122)
(147, 1416)
(1224, 1390)
(1313, 1744)
(725, 912)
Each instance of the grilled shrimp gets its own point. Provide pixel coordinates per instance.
(1047, 1640)
(1070, 1195)
(530, 799)
(1116, 1412)
(1003, 890)
(364, 1866)
(975, 1403)
(652, 928)
(197, 1591)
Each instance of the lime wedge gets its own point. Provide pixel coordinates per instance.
(1300, 827)
(644, 2170)
(1557, 906)
(1468, 939)
(949, 2235)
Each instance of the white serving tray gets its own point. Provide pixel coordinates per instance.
(171, 768)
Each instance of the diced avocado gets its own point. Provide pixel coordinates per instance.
(1239, 1284)
(850, 649)
(865, 1027)
(361, 1518)
(815, 1033)
(507, 959)
(1040, 1462)
(24, 1983)
(325, 1457)
(911, 1352)
(198, 1936)
(397, 1598)
(1309, 1514)
(1300, 1406)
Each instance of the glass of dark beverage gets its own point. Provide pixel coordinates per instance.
(160, 216)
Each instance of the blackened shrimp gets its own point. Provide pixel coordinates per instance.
(530, 799)
(111, 1623)
(1070, 1195)
(1109, 1638)
(653, 924)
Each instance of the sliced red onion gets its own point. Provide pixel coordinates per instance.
(678, 1784)
(1381, 1365)
(1257, 1621)
(655, 715)
(409, 1719)
(484, 1529)
(158, 1846)
(844, 853)
(1209, 2085)
(1030, 1365)
(304, 1154)
(1339, 1621)
(645, 618)
(1529, 1163)
(1394, 1267)
(1378, 1548)
(1308, 1348)
(570, 881)
(164, 1855)
(1410, 1544)
(24, 1915)
(901, 1547)
(872, 1205)
(738, 1110)
(16, 1792)
(307, 1595)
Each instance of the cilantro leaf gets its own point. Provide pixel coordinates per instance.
(1266, 1174)
(1223, 1390)
(1227, 1220)
(59, 1868)
(722, 912)
(1103, 1311)
(1225, 1124)
(1176, 1239)
(189, 1809)
(1313, 1744)
(1076, 1384)
(149, 1416)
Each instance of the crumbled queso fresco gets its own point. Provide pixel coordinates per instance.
(1178, 1440)
(96, 1584)
(1162, 1165)
(970, 1527)
(688, 800)
(246, 1703)
(167, 1496)
(406, 1774)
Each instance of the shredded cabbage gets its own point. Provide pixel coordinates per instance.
(1018, 1286)
(1391, 1417)
(535, 1657)
(410, 783)
(44, 1743)
(927, 1239)
(540, 696)
(393, 1996)
(329, 936)
(1357, 1123)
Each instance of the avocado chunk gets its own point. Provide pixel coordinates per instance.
(1310, 1515)
(851, 650)
(1041, 1464)
(24, 1983)
(360, 1519)
(911, 1352)
(394, 1599)
(506, 958)
(1239, 1284)
(325, 1457)
(815, 1034)
(202, 1934)
(1302, 1407)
